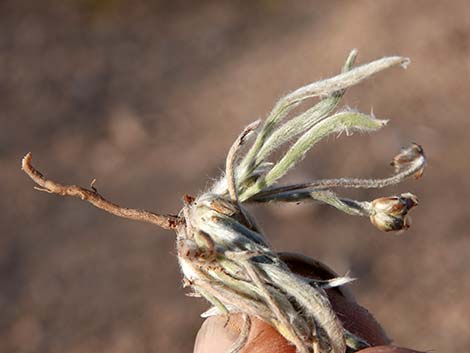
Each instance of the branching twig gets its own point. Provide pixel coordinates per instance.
(169, 222)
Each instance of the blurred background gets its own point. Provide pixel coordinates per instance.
(147, 97)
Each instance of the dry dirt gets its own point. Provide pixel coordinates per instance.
(147, 97)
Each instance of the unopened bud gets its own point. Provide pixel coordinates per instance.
(408, 156)
(391, 213)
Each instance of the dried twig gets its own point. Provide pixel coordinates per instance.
(169, 222)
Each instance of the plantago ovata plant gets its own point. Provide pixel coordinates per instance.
(223, 255)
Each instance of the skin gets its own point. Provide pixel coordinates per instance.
(218, 335)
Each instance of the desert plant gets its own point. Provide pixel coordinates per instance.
(223, 254)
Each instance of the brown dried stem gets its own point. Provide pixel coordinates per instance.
(92, 196)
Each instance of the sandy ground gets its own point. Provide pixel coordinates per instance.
(147, 98)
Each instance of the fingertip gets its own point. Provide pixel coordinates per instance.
(266, 339)
(218, 335)
(214, 336)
